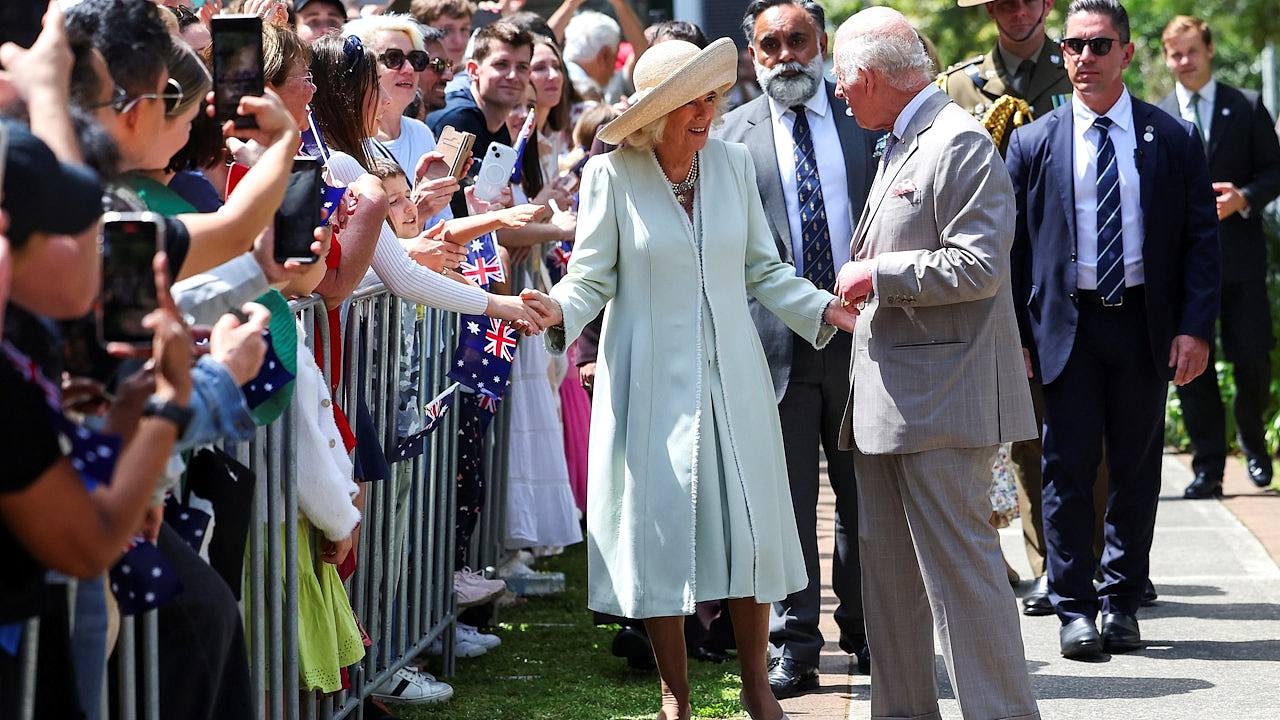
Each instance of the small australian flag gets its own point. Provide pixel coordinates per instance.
(557, 259)
(142, 580)
(313, 144)
(330, 197)
(434, 411)
(482, 265)
(271, 377)
(486, 349)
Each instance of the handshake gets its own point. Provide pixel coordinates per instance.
(853, 286)
(530, 314)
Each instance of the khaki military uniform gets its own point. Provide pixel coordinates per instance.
(979, 82)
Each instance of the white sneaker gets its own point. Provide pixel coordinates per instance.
(413, 687)
(462, 648)
(513, 567)
(473, 635)
(525, 557)
(472, 588)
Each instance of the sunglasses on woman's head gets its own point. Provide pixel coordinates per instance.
(122, 102)
(1098, 46)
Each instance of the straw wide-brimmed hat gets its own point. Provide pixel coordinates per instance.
(669, 75)
(971, 3)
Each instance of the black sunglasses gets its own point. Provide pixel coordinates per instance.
(122, 102)
(394, 59)
(1098, 46)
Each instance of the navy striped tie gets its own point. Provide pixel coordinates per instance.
(819, 265)
(1110, 221)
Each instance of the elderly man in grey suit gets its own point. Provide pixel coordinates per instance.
(814, 166)
(938, 382)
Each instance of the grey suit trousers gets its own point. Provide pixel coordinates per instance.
(811, 411)
(931, 560)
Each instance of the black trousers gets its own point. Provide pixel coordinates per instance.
(1246, 343)
(1109, 391)
(811, 411)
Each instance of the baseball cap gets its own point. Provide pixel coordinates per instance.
(336, 4)
(44, 194)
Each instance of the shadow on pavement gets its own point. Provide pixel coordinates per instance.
(1212, 611)
(1055, 687)
(1261, 650)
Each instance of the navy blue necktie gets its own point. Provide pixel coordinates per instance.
(819, 265)
(1110, 221)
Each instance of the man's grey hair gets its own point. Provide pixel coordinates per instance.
(816, 13)
(902, 60)
(588, 33)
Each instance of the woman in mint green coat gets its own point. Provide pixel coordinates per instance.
(687, 494)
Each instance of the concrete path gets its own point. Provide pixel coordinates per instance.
(1213, 640)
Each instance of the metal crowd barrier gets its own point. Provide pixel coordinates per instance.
(402, 590)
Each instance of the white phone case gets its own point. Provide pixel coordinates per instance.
(495, 171)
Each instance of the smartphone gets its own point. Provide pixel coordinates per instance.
(495, 171)
(237, 65)
(299, 214)
(20, 21)
(456, 148)
(130, 242)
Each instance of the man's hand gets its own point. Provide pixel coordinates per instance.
(274, 123)
(238, 346)
(587, 376)
(477, 206)
(431, 196)
(271, 11)
(1188, 356)
(853, 284)
(126, 408)
(151, 522)
(334, 552)
(1230, 199)
(566, 221)
(431, 250)
(514, 218)
(44, 68)
(1026, 361)
(840, 315)
(547, 310)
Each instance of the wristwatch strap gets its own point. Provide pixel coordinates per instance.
(178, 415)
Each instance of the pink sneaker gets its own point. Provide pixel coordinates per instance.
(472, 588)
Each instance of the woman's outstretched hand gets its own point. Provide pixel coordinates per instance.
(516, 313)
(547, 310)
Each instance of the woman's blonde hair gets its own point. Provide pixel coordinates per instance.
(188, 70)
(647, 137)
(367, 29)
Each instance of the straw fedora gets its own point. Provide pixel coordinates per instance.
(669, 75)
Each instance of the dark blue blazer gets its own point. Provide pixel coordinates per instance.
(1180, 251)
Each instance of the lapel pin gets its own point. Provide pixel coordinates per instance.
(848, 111)
(1148, 137)
(1150, 129)
(1226, 112)
(1055, 59)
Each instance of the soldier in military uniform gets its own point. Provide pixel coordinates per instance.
(1025, 66)
(1021, 79)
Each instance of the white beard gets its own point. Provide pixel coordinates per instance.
(795, 90)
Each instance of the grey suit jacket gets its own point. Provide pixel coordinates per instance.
(752, 125)
(937, 360)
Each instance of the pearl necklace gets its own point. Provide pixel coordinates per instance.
(684, 187)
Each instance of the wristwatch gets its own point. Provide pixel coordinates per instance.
(177, 414)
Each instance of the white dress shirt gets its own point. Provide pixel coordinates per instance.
(831, 174)
(1125, 139)
(1208, 94)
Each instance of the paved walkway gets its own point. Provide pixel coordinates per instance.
(1213, 641)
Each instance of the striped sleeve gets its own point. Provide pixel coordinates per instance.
(402, 276)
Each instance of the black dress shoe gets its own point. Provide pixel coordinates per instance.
(1259, 470)
(1204, 487)
(788, 678)
(1080, 640)
(706, 654)
(1036, 602)
(1120, 633)
(633, 645)
(860, 651)
(1149, 595)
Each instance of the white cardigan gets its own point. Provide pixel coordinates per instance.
(402, 276)
(325, 485)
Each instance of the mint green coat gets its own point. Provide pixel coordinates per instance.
(687, 491)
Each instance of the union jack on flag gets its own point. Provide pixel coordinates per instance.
(486, 349)
(434, 411)
(557, 259)
(482, 264)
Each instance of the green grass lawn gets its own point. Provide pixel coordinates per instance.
(554, 664)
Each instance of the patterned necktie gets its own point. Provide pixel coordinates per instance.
(819, 266)
(1195, 117)
(890, 142)
(1110, 266)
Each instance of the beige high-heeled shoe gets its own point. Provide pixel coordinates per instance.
(742, 700)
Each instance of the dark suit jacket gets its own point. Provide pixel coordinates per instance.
(1180, 240)
(1243, 149)
(752, 125)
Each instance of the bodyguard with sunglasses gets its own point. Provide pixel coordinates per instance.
(1116, 276)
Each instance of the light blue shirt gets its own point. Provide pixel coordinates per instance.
(1208, 94)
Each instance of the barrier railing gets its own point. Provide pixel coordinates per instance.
(402, 589)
